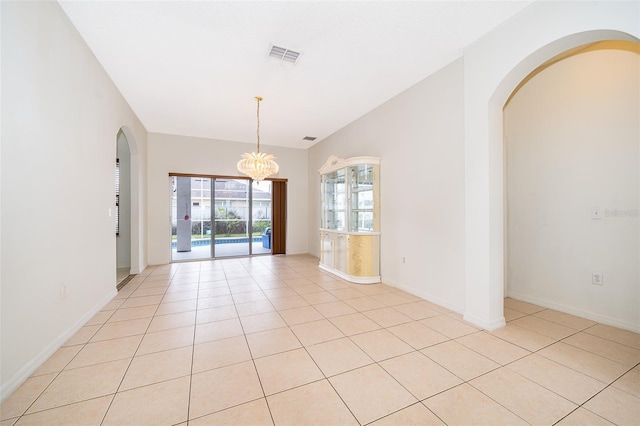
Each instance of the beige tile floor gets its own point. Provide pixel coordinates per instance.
(274, 340)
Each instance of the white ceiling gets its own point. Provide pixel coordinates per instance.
(193, 67)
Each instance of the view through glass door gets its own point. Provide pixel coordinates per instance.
(219, 217)
(261, 216)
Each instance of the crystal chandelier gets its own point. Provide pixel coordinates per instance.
(258, 165)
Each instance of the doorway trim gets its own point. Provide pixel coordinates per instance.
(123, 208)
(138, 261)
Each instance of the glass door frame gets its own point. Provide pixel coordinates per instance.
(248, 197)
(249, 219)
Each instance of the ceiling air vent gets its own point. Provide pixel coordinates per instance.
(284, 54)
(309, 138)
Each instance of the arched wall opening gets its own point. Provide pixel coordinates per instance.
(123, 208)
(136, 207)
(572, 143)
(494, 67)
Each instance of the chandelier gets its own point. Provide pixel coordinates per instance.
(258, 165)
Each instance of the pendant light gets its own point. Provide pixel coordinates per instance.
(258, 165)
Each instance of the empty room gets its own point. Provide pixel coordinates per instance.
(320, 212)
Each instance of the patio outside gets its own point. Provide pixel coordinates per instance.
(238, 217)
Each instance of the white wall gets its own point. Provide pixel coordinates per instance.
(60, 117)
(494, 65)
(573, 137)
(183, 154)
(419, 137)
(492, 68)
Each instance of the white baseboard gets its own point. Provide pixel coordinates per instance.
(486, 325)
(492, 325)
(30, 367)
(426, 296)
(594, 316)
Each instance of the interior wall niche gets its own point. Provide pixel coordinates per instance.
(572, 180)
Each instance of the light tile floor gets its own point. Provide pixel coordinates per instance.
(275, 340)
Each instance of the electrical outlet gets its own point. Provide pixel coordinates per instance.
(597, 278)
(404, 260)
(597, 213)
(63, 291)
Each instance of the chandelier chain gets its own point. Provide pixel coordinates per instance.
(258, 98)
(257, 165)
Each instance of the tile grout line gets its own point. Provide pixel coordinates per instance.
(63, 369)
(303, 346)
(104, 417)
(193, 348)
(325, 377)
(329, 319)
(542, 386)
(57, 374)
(598, 393)
(253, 361)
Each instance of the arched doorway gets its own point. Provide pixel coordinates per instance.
(123, 208)
(493, 69)
(572, 137)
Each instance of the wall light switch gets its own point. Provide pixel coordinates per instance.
(597, 213)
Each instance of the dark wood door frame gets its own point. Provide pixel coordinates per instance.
(279, 213)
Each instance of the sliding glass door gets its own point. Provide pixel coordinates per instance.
(231, 217)
(219, 217)
(190, 218)
(261, 225)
